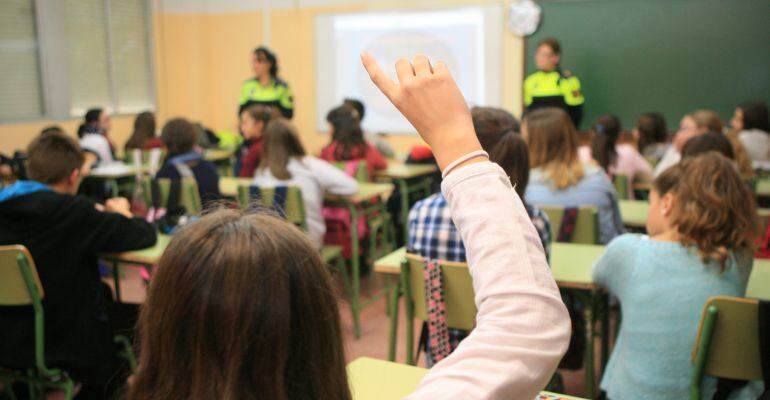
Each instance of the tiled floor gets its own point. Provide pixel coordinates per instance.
(374, 328)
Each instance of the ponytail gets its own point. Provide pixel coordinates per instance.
(607, 130)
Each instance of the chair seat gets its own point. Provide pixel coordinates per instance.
(330, 253)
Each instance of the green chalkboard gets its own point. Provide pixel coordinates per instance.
(671, 56)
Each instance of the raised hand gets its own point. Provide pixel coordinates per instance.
(429, 98)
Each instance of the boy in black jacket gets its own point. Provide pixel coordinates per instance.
(65, 233)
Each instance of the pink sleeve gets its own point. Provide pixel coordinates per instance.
(522, 327)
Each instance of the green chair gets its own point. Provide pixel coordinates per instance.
(146, 156)
(622, 186)
(727, 345)
(292, 207)
(458, 296)
(190, 197)
(361, 173)
(20, 285)
(586, 225)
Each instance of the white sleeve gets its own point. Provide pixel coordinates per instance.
(522, 327)
(332, 179)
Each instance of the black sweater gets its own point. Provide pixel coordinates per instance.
(64, 234)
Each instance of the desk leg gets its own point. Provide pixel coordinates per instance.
(393, 308)
(356, 267)
(116, 280)
(409, 311)
(590, 315)
(605, 320)
(404, 191)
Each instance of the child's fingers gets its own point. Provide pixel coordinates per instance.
(376, 74)
(404, 71)
(440, 68)
(421, 65)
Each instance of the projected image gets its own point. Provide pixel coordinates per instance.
(457, 37)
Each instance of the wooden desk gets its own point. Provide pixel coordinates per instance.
(634, 212)
(763, 187)
(410, 178)
(572, 268)
(228, 186)
(146, 257)
(117, 170)
(405, 171)
(216, 155)
(372, 379)
(759, 281)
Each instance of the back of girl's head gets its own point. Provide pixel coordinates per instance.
(755, 115)
(714, 210)
(357, 105)
(491, 124)
(512, 154)
(89, 120)
(240, 307)
(144, 130)
(711, 141)
(652, 129)
(346, 122)
(179, 136)
(606, 130)
(261, 113)
(553, 145)
(280, 143)
(270, 57)
(707, 119)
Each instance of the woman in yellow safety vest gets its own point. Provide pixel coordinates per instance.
(266, 88)
(551, 86)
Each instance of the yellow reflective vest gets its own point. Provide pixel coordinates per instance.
(554, 89)
(276, 94)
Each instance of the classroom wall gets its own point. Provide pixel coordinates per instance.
(202, 56)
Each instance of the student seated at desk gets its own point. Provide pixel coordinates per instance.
(702, 231)
(751, 125)
(93, 135)
(285, 162)
(558, 177)
(182, 160)
(64, 235)
(348, 142)
(143, 137)
(431, 231)
(651, 136)
(272, 302)
(617, 158)
(254, 118)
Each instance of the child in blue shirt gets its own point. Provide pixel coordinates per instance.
(701, 226)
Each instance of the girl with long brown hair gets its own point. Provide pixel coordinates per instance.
(241, 307)
(285, 162)
(702, 225)
(143, 137)
(558, 177)
(348, 143)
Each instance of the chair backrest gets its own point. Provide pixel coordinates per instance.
(586, 224)
(287, 200)
(190, 197)
(356, 169)
(458, 292)
(19, 283)
(152, 157)
(727, 345)
(622, 186)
